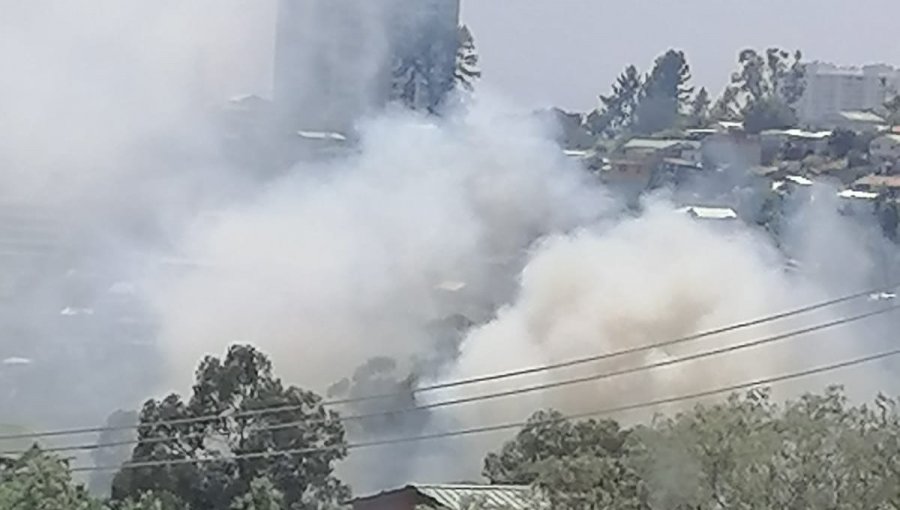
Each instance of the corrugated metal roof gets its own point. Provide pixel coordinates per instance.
(322, 135)
(652, 144)
(862, 195)
(501, 497)
(710, 213)
(859, 116)
(879, 181)
(798, 180)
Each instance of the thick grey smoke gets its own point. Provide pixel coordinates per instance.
(439, 249)
(338, 263)
(106, 147)
(661, 276)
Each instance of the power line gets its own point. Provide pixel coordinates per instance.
(502, 394)
(464, 382)
(506, 426)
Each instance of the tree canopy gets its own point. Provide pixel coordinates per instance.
(210, 476)
(817, 451)
(467, 71)
(765, 90)
(617, 110)
(423, 78)
(665, 92)
(39, 481)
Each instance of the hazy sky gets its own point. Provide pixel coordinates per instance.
(565, 52)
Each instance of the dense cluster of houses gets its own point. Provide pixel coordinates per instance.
(773, 161)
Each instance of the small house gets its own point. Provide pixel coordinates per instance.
(885, 149)
(709, 213)
(885, 184)
(859, 121)
(449, 497)
(638, 148)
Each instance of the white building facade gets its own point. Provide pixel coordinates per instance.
(831, 89)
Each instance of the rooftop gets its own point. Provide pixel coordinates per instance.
(860, 195)
(799, 133)
(457, 496)
(859, 116)
(798, 180)
(710, 213)
(321, 135)
(451, 286)
(879, 181)
(653, 144)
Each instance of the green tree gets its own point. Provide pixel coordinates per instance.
(665, 92)
(699, 113)
(263, 495)
(745, 452)
(586, 482)
(467, 71)
(617, 111)
(37, 481)
(766, 89)
(841, 142)
(118, 432)
(208, 475)
(152, 501)
(426, 73)
(726, 107)
(768, 113)
(892, 107)
(547, 435)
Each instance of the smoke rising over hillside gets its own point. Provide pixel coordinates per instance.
(439, 249)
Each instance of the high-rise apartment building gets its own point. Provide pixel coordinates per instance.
(334, 58)
(831, 89)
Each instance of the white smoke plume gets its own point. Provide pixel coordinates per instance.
(657, 277)
(338, 263)
(105, 113)
(106, 148)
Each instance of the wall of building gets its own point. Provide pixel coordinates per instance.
(330, 61)
(830, 89)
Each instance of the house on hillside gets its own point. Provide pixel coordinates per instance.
(709, 213)
(449, 497)
(859, 203)
(885, 149)
(888, 185)
(731, 149)
(638, 148)
(793, 143)
(859, 121)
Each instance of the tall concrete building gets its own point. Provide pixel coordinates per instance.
(334, 58)
(831, 89)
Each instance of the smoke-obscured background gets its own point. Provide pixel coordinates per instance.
(439, 249)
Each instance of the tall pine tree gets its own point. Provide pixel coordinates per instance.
(467, 71)
(617, 110)
(664, 93)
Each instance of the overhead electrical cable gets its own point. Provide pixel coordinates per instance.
(506, 426)
(472, 380)
(501, 394)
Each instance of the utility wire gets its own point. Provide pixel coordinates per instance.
(505, 426)
(475, 380)
(463, 382)
(501, 394)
